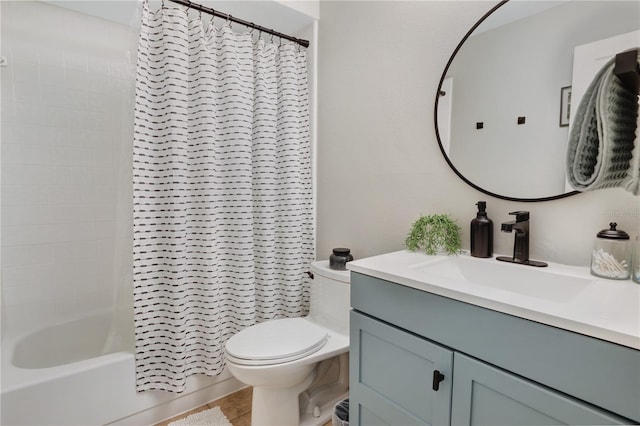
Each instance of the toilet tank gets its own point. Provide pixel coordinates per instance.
(330, 297)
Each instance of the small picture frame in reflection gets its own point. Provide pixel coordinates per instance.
(565, 106)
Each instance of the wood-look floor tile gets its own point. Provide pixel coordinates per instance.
(243, 420)
(236, 407)
(236, 404)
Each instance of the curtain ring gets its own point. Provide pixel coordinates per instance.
(229, 20)
(252, 36)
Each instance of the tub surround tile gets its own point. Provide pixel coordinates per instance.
(67, 116)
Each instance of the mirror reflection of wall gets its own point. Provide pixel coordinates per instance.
(518, 70)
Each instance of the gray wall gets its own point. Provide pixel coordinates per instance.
(379, 165)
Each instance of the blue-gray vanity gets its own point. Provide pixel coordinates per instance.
(436, 349)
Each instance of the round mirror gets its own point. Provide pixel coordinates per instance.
(502, 109)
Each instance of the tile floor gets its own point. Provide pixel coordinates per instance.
(236, 406)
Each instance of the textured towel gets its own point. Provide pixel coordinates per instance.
(211, 417)
(601, 152)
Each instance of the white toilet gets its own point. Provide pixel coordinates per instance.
(298, 367)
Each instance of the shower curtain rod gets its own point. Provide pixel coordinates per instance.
(213, 12)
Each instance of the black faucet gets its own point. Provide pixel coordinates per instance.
(521, 241)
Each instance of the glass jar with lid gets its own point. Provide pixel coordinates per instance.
(635, 261)
(611, 254)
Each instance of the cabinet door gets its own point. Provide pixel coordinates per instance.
(485, 395)
(392, 376)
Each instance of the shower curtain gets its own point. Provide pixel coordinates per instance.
(223, 227)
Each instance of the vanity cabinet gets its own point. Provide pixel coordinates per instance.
(395, 373)
(485, 395)
(418, 358)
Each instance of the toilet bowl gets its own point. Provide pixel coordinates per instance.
(298, 367)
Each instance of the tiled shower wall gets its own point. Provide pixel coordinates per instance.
(67, 95)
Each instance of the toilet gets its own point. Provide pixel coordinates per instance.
(298, 367)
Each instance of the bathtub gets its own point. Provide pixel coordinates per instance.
(89, 378)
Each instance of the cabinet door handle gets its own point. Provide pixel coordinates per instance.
(437, 378)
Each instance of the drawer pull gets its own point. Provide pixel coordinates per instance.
(437, 378)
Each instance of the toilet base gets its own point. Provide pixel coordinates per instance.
(330, 387)
(277, 406)
(309, 403)
(326, 411)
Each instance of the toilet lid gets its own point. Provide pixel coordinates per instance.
(275, 342)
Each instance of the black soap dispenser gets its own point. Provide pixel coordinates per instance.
(481, 233)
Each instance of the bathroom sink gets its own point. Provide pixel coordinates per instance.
(542, 283)
(562, 296)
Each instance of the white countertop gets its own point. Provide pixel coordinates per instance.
(604, 309)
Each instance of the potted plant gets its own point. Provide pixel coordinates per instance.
(435, 233)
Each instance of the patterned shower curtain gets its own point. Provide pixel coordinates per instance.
(223, 227)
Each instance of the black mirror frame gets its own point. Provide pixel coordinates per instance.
(435, 117)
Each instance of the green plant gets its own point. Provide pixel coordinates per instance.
(434, 232)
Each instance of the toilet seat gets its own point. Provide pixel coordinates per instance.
(275, 342)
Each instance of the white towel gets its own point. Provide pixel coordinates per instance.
(602, 150)
(211, 417)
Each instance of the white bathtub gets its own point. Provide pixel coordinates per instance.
(83, 373)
